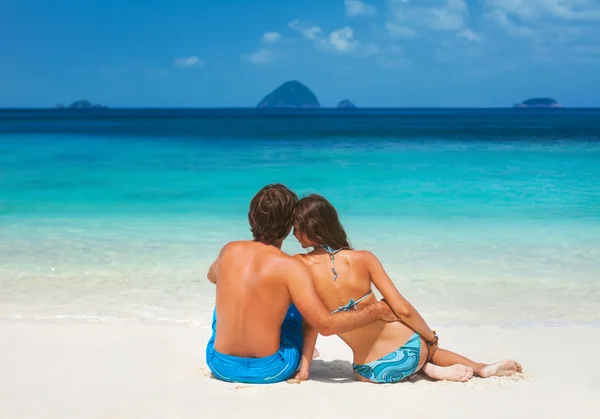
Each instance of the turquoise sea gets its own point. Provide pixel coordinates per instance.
(479, 216)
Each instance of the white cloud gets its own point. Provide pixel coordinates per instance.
(307, 31)
(451, 16)
(398, 31)
(546, 23)
(355, 8)
(343, 39)
(530, 10)
(469, 34)
(189, 62)
(448, 16)
(261, 57)
(271, 37)
(527, 9)
(510, 27)
(437, 15)
(339, 41)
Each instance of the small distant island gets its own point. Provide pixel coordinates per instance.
(81, 104)
(291, 94)
(539, 102)
(346, 104)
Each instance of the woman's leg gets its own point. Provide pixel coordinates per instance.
(456, 372)
(444, 358)
(447, 373)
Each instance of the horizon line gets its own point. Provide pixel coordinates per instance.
(105, 108)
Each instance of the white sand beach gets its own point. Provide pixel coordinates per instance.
(128, 370)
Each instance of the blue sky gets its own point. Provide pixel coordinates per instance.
(231, 53)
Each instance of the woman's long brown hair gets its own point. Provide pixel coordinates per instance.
(317, 219)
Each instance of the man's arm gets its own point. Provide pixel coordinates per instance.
(306, 299)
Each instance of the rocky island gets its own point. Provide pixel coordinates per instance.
(81, 104)
(291, 94)
(541, 102)
(346, 104)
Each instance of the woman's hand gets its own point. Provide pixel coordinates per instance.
(302, 375)
(431, 351)
(308, 351)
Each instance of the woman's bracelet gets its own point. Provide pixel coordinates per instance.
(433, 341)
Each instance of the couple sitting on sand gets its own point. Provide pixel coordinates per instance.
(270, 307)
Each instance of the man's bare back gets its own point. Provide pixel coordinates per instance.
(252, 298)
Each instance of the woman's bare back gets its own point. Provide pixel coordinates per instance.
(353, 282)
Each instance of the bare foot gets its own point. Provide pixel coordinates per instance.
(458, 372)
(316, 353)
(501, 369)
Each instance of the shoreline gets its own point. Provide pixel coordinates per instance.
(126, 370)
(205, 323)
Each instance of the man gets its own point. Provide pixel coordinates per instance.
(262, 296)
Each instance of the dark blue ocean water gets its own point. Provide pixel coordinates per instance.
(474, 124)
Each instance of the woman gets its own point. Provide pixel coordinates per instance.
(383, 352)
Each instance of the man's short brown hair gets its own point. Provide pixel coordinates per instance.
(270, 214)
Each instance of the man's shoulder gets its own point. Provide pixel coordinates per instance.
(237, 245)
(268, 253)
(283, 265)
(279, 257)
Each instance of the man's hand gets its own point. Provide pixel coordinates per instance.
(387, 314)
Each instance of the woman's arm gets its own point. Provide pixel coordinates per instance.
(308, 348)
(403, 309)
(213, 272)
